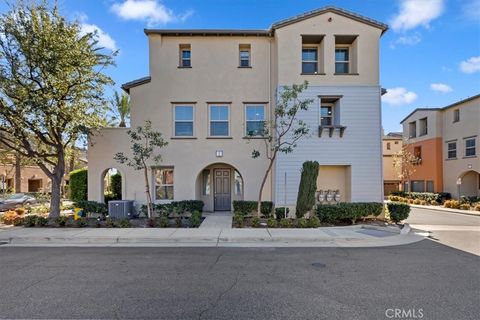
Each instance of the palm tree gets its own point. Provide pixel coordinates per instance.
(120, 108)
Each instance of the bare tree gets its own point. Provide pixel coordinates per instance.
(404, 162)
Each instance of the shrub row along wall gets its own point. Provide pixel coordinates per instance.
(439, 197)
(346, 212)
(249, 207)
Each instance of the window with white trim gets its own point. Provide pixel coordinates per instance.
(164, 183)
(451, 150)
(254, 120)
(470, 147)
(185, 56)
(309, 60)
(219, 120)
(244, 56)
(183, 118)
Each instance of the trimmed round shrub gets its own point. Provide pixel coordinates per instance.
(195, 219)
(313, 222)
(398, 211)
(465, 206)
(285, 223)
(30, 221)
(280, 212)
(78, 185)
(307, 188)
(301, 223)
(272, 223)
(255, 222)
(266, 208)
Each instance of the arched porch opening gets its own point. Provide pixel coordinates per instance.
(112, 185)
(468, 184)
(218, 185)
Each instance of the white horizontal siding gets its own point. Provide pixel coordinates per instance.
(360, 146)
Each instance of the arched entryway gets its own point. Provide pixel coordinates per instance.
(218, 185)
(112, 183)
(468, 184)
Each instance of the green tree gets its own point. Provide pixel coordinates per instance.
(144, 141)
(307, 188)
(116, 186)
(120, 108)
(282, 133)
(51, 87)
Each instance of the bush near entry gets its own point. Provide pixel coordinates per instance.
(78, 185)
(244, 207)
(342, 212)
(398, 211)
(307, 188)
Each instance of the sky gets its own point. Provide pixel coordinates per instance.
(430, 56)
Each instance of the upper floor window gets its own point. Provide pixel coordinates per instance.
(326, 115)
(309, 60)
(219, 121)
(255, 120)
(185, 56)
(470, 147)
(388, 145)
(423, 126)
(244, 56)
(451, 150)
(342, 60)
(183, 119)
(456, 115)
(412, 129)
(417, 153)
(164, 183)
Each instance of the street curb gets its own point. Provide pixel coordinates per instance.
(448, 210)
(406, 229)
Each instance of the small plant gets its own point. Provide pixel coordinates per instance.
(161, 222)
(239, 219)
(18, 221)
(124, 223)
(29, 221)
(453, 204)
(41, 221)
(9, 217)
(423, 202)
(61, 221)
(195, 219)
(398, 211)
(285, 223)
(255, 222)
(301, 223)
(433, 203)
(272, 223)
(465, 206)
(110, 223)
(149, 223)
(81, 222)
(313, 222)
(417, 201)
(20, 211)
(477, 207)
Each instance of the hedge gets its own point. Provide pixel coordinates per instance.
(244, 207)
(439, 197)
(116, 186)
(92, 207)
(78, 185)
(307, 188)
(398, 211)
(342, 212)
(182, 206)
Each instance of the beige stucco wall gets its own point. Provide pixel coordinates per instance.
(289, 42)
(434, 123)
(335, 178)
(468, 126)
(389, 173)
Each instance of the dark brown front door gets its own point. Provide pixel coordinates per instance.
(222, 193)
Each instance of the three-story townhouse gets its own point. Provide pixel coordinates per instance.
(207, 90)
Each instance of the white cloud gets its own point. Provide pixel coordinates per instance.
(414, 13)
(398, 96)
(409, 40)
(104, 39)
(441, 87)
(471, 65)
(151, 11)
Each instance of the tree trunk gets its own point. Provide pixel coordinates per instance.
(71, 164)
(18, 173)
(122, 124)
(56, 197)
(147, 192)
(259, 204)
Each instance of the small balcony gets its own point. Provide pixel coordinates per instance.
(331, 130)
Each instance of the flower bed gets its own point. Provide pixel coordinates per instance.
(436, 199)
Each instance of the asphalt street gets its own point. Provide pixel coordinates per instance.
(431, 279)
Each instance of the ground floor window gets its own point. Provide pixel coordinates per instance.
(164, 183)
(418, 186)
(238, 184)
(430, 185)
(206, 182)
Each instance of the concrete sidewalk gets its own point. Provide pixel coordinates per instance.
(350, 236)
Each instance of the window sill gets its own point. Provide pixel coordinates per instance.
(254, 137)
(249, 67)
(469, 157)
(219, 137)
(448, 159)
(183, 138)
(313, 74)
(182, 67)
(346, 74)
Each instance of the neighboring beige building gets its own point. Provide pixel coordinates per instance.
(391, 145)
(208, 89)
(446, 142)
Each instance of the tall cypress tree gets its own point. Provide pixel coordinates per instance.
(307, 188)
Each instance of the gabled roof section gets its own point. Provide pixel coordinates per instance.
(135, 83)
(339, 11)
(461, 101)
(419, 109)
(271, 30)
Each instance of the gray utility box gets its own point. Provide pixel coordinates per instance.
(120, 209)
